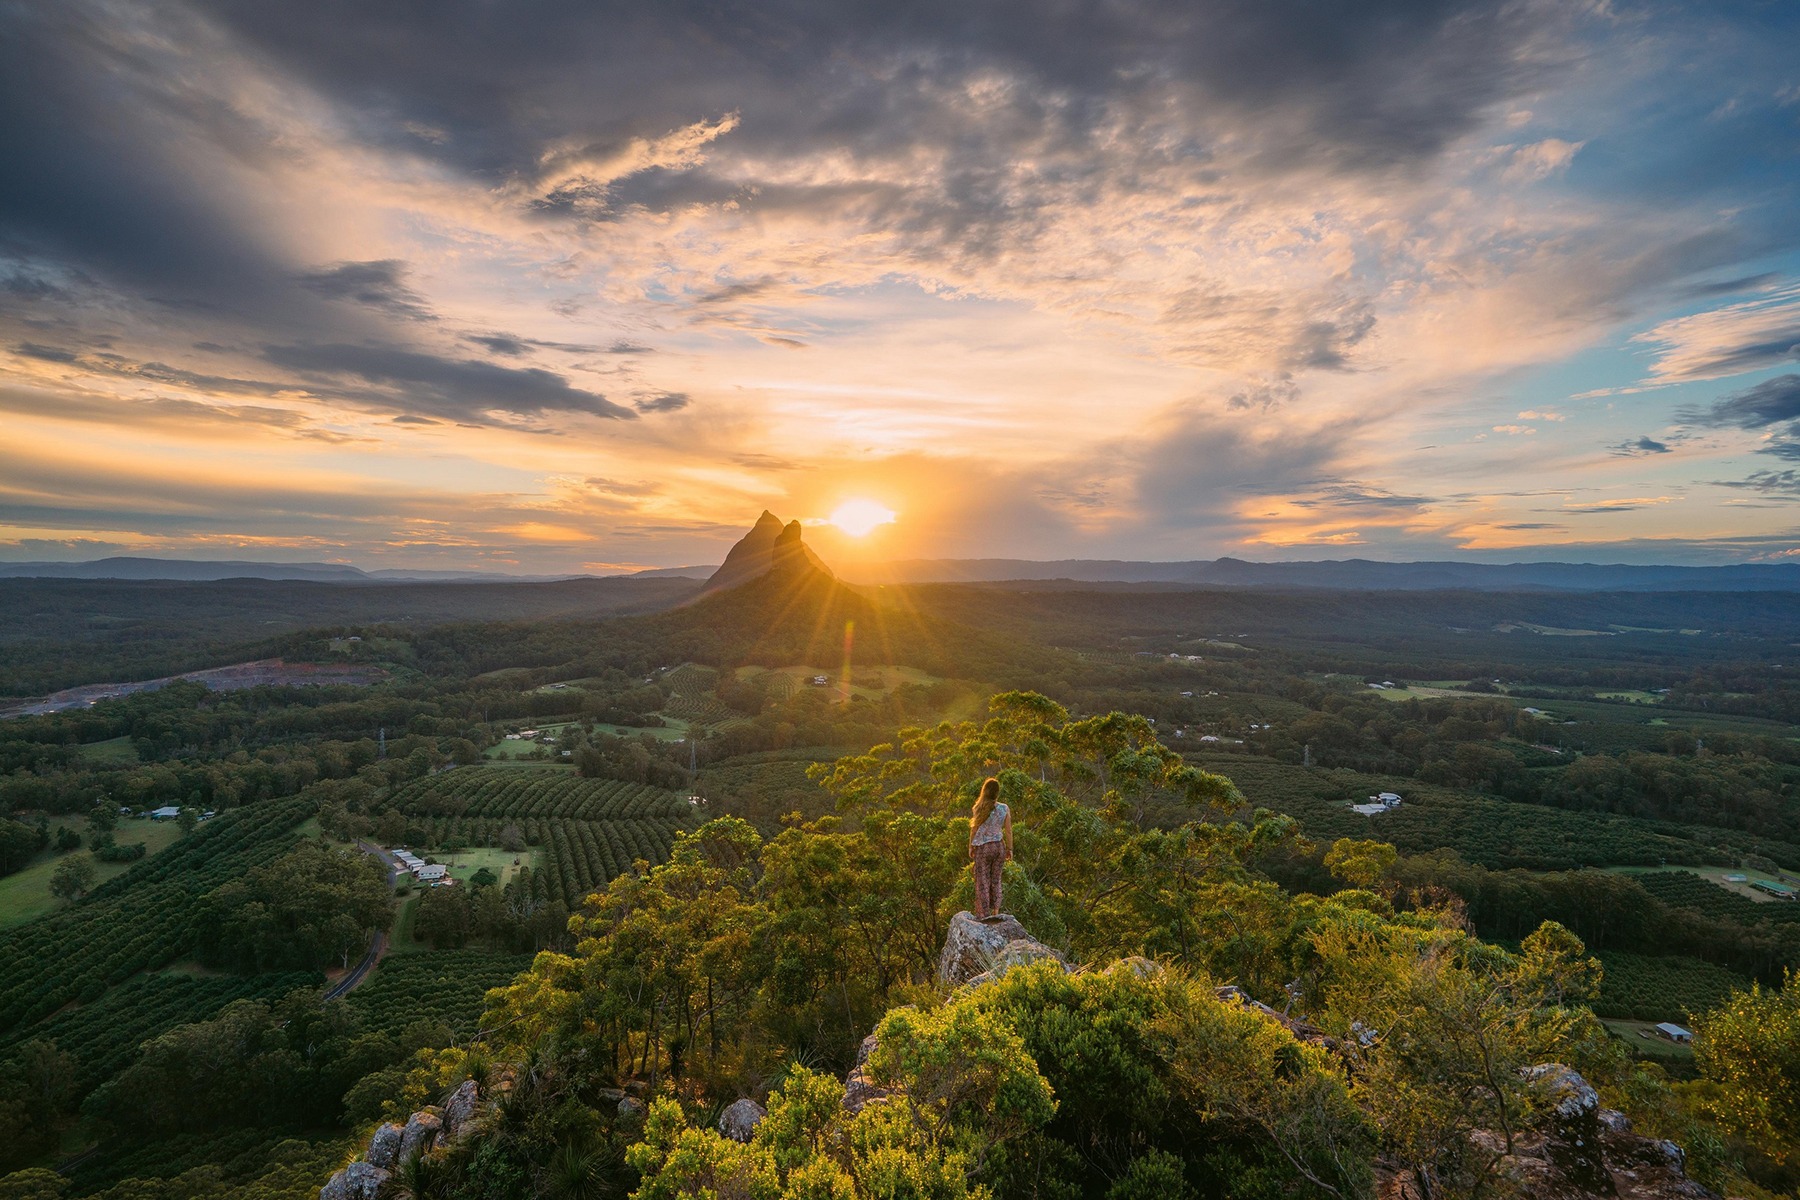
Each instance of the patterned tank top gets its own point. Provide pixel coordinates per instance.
(993, 829)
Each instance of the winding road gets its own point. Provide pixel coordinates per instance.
(379, 946)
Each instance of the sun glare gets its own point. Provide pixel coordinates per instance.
(858, 517)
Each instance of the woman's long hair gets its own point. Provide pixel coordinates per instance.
(984, 804)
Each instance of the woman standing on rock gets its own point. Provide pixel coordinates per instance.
(990, 845)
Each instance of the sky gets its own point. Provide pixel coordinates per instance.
(554, 286)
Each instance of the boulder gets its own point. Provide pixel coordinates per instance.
(384, 1146)
(859, 1089)
(740, 1118)
(973, 949)
(358, 1181)
(631, 1109)
(1572, 1130)
(460, 1109)
(420, 1134)
(1577, 1151)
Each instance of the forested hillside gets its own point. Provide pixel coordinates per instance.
(733, 834)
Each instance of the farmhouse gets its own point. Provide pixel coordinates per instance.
(431, 872)
(167, 812)
(1384, 802)
(1674, 1033)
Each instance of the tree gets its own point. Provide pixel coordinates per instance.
(1441, 1029)
(18, 843)
(187, 819)
(1748, 1049)
(313, 906)
(73, 876)
(1361, 864)
(445, 917)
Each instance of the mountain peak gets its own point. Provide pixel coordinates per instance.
(769, 548)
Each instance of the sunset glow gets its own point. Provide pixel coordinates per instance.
(860, 517)
(601, 290)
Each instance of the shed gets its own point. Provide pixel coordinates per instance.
(1674, 1033)
(167, 812)
(1780, 891)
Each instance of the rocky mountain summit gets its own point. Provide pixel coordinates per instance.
(770, 548)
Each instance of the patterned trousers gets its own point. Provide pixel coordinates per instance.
(989, 858)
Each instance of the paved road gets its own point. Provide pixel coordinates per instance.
(343, 986)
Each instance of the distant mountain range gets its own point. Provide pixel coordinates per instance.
(1354, 574)
(201, 571)
(770, 543)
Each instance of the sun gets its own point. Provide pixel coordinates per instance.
(858, 517)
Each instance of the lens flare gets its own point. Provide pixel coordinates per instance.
(858, 517)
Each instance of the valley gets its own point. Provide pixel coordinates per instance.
(1630, 789)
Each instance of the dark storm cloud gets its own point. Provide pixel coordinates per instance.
(508, 89)
(380, 284)
(1770, 402)
(459, 389)
(91, 181)
(663, 402)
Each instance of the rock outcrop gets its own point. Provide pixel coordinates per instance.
(978, 951)
(358, 1181)
(1580, 1151)
(392, 1144)
(740, 1119)
(769, 548)
(421, 1134)
(384, 1147)
(859, 1090)
(460, 1109)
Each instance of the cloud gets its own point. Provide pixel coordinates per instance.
(1532, 414)
(457, 389)
(1356, 495)
(500, 343)
(1751, 336)
(379, 284)
(1515, 430)
(1784, 483)
(1623, 505)
(662, 402)
(1540, 160)
(1771, 402)
(1641, 446)
(55, 354)
(1265, 396)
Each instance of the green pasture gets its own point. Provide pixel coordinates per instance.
(465, 863)
(113, 752)
(673, 730)
(521, 750)
(1643, 1039)
(25, 894)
